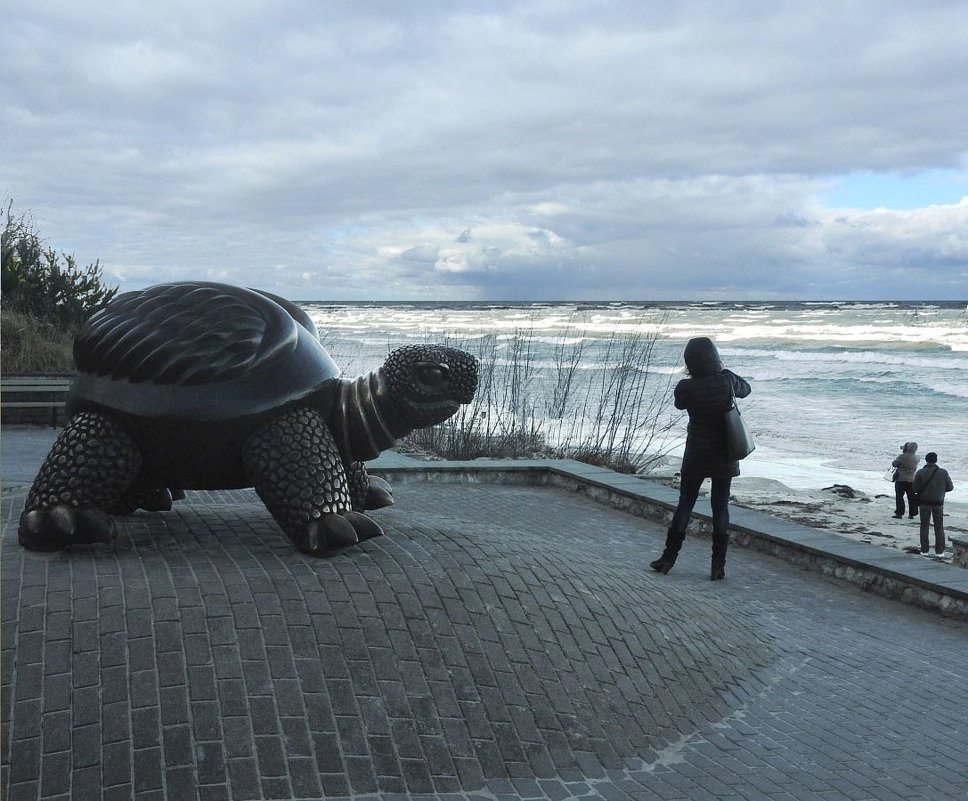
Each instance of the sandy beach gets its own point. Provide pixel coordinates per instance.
(864, 518)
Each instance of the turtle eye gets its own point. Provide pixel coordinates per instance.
(431, 374)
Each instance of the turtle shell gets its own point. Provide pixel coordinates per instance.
(199, 352)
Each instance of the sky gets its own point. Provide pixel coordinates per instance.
(470, 150)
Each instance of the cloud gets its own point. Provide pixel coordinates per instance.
(481, 150)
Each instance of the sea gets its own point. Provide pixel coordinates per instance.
(838, 387)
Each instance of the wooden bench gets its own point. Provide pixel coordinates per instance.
(34, 393)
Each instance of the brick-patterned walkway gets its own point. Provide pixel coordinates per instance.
(499, 642)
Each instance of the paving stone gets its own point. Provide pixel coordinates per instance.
(505, 641)
(147, 769)
(244, 779)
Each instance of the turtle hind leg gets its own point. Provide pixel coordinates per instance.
(87, 472)
(298, 472)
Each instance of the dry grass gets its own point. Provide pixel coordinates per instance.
(34, 346)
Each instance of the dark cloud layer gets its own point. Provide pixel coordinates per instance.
(480, 150)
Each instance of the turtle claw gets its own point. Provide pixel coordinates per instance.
(38, 531)
(310, 543)
(331, 533)
(378, 494)
(339, 532)
(157, 500)
(366, 527)
(62, 526)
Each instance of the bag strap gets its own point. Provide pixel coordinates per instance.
(732, 393)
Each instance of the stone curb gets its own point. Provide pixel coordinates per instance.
(930, 585)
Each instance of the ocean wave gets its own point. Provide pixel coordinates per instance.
(912, 387)
(873, 327)
(894, 359)
(832, 380)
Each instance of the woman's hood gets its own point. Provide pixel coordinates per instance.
(702, 357)
(910, 447)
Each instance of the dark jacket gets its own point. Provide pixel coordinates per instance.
(907, 462)
(705, 395)
(931, 483)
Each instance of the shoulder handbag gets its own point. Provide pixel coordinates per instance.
(739, 440)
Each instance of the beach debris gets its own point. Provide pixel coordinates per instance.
(843, 490)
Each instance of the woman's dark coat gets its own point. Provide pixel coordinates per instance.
(705, 395)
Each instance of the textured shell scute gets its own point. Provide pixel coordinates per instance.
(184, 334)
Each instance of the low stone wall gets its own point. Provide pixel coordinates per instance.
(959, 546)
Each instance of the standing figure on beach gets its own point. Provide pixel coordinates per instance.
(907, 465)
(930, 484)
(706, 395)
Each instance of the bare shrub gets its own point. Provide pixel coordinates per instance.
(615, 412)
(501, 421)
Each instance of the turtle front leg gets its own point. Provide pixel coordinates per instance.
(298, 472)
(88, 470)
(366, 491)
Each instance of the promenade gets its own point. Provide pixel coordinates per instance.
(504, 640)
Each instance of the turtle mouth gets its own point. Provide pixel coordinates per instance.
(439, 408)
(422, 414)
(449, 407)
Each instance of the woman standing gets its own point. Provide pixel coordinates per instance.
(706, 395)
(907, 466)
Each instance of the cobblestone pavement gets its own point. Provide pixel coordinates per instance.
(499, 642)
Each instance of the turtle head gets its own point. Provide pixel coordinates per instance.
(417, 386)
(426, 384)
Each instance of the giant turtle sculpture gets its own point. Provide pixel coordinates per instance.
(209, 386)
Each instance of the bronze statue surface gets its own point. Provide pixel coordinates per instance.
(208, 386)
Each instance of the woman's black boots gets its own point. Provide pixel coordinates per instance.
(720, 544)
(673, 544)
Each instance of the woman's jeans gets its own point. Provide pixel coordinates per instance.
(902, 488)
(718, 500)
(929, 513)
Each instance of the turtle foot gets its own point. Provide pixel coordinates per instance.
(334, 532)
(157, 500)
(378, 494)
(61, 526)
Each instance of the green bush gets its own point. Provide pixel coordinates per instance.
(35, 282)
